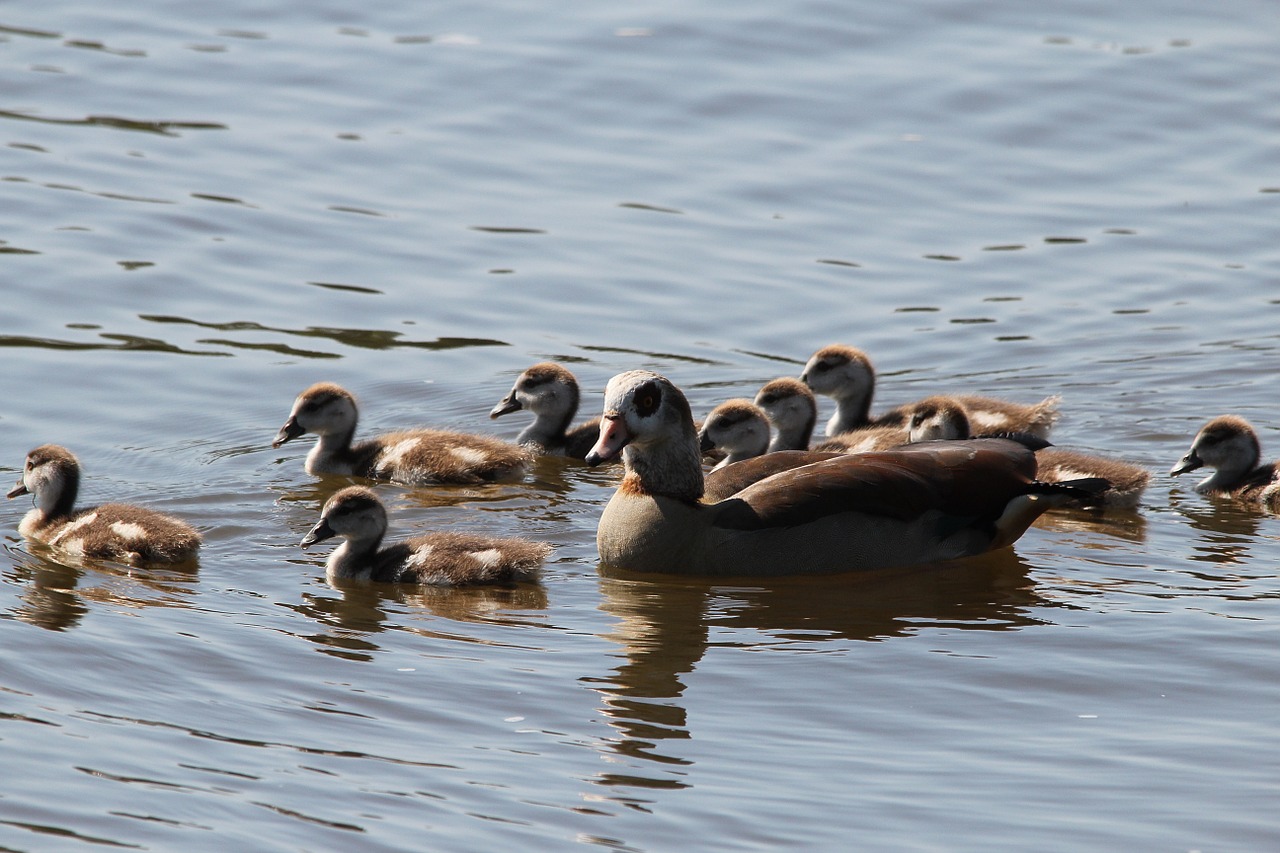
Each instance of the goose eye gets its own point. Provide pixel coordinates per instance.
(647, 399)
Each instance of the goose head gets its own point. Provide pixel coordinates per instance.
(642, 411)
(938, 418)
(547, 390)
(324, 409)
(791, 408)
(738, 427)
(52, 475)
(845, 374)
(354, 514)
(840, 371)
(1227, 443)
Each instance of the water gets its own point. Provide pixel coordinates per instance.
(206, 208)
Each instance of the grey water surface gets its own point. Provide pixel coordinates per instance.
(205, 208)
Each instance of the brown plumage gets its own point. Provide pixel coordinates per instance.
(846, 374)
(550, 392)
(912, 505)
(112, 531)
(793, 412)
(413, 457)
(947, 418)
(1230, 445)
(441, 558)
(737, 429)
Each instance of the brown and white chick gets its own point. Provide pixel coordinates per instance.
(846, 374)
(442, 558)
(549, 391)
(112, 531)
(412, 457)
(1230, 446)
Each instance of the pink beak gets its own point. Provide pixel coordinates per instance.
(613, 437)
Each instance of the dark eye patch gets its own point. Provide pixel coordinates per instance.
(648, 397)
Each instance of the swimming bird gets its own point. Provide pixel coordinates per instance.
(920, 503)
(792, 410)
(946, 418)
(412, 457)
(441, 559)
(112, 531)
(550, 392)
(846, 374)
(1229, 444)
(737, 428)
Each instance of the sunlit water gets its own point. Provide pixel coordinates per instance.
(207, 207)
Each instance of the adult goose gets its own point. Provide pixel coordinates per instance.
(946, 418)
(846, 374)
(550, 393)
(918, 504)
(442, 558)
(1230, 445)
(412, 457)
(112, 531)
(792, 411)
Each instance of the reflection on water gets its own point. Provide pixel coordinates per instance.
(162, 128)
(121, 342)
(685, 195)
(663, 627)
(1129, 526)
(1228, 529)
(373, 339)
(362, 609)
(60, 588)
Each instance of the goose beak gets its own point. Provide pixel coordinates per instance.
(507, 405)
(613, 437)
(20, 489)
(1190, 462)
(290, 430)
(705, 444)
(319, 533)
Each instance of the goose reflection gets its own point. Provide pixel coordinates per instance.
(663, 630)
(1228, 529)
(361, 610)
(59, 594)
(1121, 524)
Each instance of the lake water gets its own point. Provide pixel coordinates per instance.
(204, 208)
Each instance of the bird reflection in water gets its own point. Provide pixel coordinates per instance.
(663, 626)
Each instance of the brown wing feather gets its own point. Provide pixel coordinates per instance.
(731, 479)
(974, 479)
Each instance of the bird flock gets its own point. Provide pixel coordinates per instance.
(748, 491)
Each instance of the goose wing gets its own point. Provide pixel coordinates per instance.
(973, 479)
